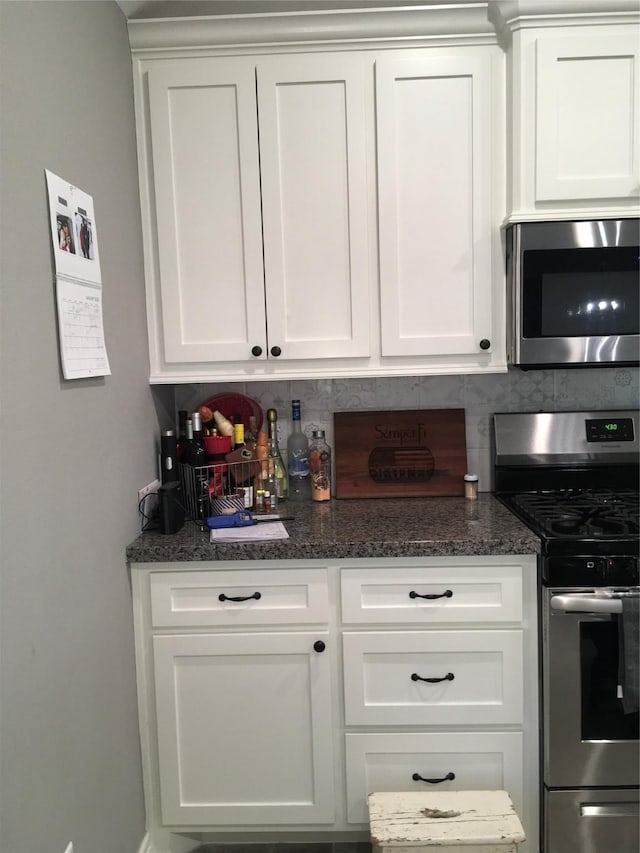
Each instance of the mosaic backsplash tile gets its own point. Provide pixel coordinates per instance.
(479, 395)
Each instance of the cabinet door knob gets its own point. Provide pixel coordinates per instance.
(223, 597)
(319, 646)
(256, 351)
(448, 778)
(485, 344)
(446, 594)
(448, 677)
(276, 351)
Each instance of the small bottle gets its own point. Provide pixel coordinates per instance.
(251, 435)
(238, 435)
(298, 458)
(274, 453)
(471, 487)
(320, 465)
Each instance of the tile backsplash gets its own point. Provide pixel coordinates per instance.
(479, 395)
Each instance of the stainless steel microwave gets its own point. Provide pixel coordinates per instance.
(573, 293)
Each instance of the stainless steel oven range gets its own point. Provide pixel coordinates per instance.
(573, 478)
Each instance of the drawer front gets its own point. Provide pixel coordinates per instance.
(476, 677)
(388, 762)
(193, 599)
(455, 594)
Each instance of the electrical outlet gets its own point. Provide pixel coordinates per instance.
(147, 508)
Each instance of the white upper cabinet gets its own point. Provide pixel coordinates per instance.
(313, 160)
(574, 109)
(434, 184)
(204, 142)
(322, 210)
(260, 206)
(588, 120)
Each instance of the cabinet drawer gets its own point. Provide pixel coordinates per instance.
(477, 593)
(186, 599)
(477, 677)
(387, 762)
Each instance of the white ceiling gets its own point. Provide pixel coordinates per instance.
(188, 8)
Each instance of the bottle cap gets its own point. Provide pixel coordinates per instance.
(317, 433)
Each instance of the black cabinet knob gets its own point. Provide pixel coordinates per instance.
(319, 646)
(276, 351)
(256, 351)
(485, 344)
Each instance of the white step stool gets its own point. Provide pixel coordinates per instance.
(460, 821)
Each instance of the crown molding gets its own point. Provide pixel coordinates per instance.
(464, 21)
(510, 15)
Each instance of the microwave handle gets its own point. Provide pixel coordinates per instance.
(585, 603)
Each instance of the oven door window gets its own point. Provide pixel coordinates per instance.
(602, 714)
(580, 292)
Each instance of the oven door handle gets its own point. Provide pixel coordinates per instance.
(609, 810)
(585, 602)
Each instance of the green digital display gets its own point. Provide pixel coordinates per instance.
(601, 430)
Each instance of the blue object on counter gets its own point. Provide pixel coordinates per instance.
(242, 518)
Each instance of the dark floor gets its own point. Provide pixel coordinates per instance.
(310, 847)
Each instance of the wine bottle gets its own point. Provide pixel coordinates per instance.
(182, 432)
(298, 458)
(195, 455)
(275, 457)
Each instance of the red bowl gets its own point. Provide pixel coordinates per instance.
(217, 444)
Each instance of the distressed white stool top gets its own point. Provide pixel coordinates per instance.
(443, 818)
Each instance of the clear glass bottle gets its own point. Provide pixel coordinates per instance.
(298, 458)
(275, 457)
(320, 467)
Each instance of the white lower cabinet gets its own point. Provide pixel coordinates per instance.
(244, 721)
(275, 695)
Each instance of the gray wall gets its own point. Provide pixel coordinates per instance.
(72, 453)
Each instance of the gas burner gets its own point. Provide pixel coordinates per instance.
(580, 514)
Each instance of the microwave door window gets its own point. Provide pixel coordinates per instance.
(589, 304)
(569, 293)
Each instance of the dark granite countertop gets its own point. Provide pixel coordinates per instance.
(344, 529)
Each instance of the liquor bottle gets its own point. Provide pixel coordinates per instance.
(195, 455)
(320, 465)
(280, 472)
(298, 458)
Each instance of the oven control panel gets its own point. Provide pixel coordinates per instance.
(612, 429)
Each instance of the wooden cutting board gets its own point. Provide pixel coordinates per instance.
(409, 453)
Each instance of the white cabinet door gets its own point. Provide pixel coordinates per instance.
(588, 117)
(244, 729)
(314, 200)
(434, 179)
(204, 141)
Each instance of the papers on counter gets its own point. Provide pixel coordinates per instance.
(252, 533)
